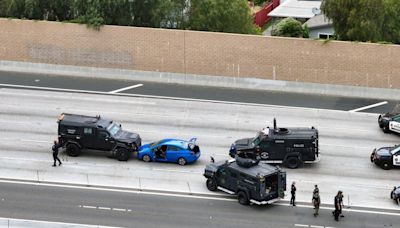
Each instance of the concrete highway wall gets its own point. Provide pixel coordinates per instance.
(201, 53)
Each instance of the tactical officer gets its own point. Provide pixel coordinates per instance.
(55, 148)
(293, 193)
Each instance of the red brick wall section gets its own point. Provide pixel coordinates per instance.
(233, 55)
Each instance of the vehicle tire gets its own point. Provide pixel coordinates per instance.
(386, 165)
(182, 161)
(122, 154)
(146, 158)
(73, 150)
(211, 185)
(292, 162)
(385, 129)
(242, 198)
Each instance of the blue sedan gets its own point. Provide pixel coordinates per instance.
(170, 150)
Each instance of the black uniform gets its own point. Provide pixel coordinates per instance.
(336, 212)
(55, 148)
(293, 193)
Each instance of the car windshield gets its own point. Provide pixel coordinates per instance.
(257, 139)
(113, 129)
(396, 149)
(155, 143)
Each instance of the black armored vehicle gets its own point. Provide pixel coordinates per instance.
(390, 121)
(79, 132)
(386, 157)
(251, 181)
(290, 146)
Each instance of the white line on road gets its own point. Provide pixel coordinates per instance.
(119, 209)
(126, 88)
(301, 225)
(317, 226)
(369, 106)
(90, 207)
(47, 223)
(104, 208)
(153, 96)
(212, 196)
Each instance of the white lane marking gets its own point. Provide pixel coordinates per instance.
(119, 209)
(160, 97)
(104, 208)
(369, 106)
(317, 226)
(90, 207)
(57, 223)
(35, 141)
(301, 225)
(211, 197)
(126, 88)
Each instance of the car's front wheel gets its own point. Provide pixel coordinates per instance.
(386, 129)
(211, 185)
(386, 165)
(146, 158)
(182, 161)
(73, 150)
(122, 154)
(242, 198)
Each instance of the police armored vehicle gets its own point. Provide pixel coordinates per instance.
(251, 181)
(290, 146)
(390, 121)
(386, 157)
(79, 132)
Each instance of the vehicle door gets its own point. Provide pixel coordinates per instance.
(278, 150)
(160, 153)
(265, 149)
(394, 124)
(223, 178)
(104, 140)
(88, 137)
(396, 158)
(173, 153)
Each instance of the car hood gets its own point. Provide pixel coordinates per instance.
(144, 147)
(128, 137)
(389, 115)
(384, 151)
(244, 144)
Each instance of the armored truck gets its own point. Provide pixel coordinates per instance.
(80, 132)
(290, 146)
(251, 181)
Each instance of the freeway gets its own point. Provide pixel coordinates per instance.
(135, 209)
(28, 126)
(198, 92)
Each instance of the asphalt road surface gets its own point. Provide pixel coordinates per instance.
(198, 92)
(25, 201)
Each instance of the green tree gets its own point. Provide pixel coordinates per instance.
(364, 20)
(231, 16)
(288, 27)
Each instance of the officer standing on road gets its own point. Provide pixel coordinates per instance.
(293, 193)
(55, 148)
(316, 189)
(336, 212)
(316, 201)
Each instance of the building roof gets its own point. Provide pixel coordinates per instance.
(318, 21)
(296, 9)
